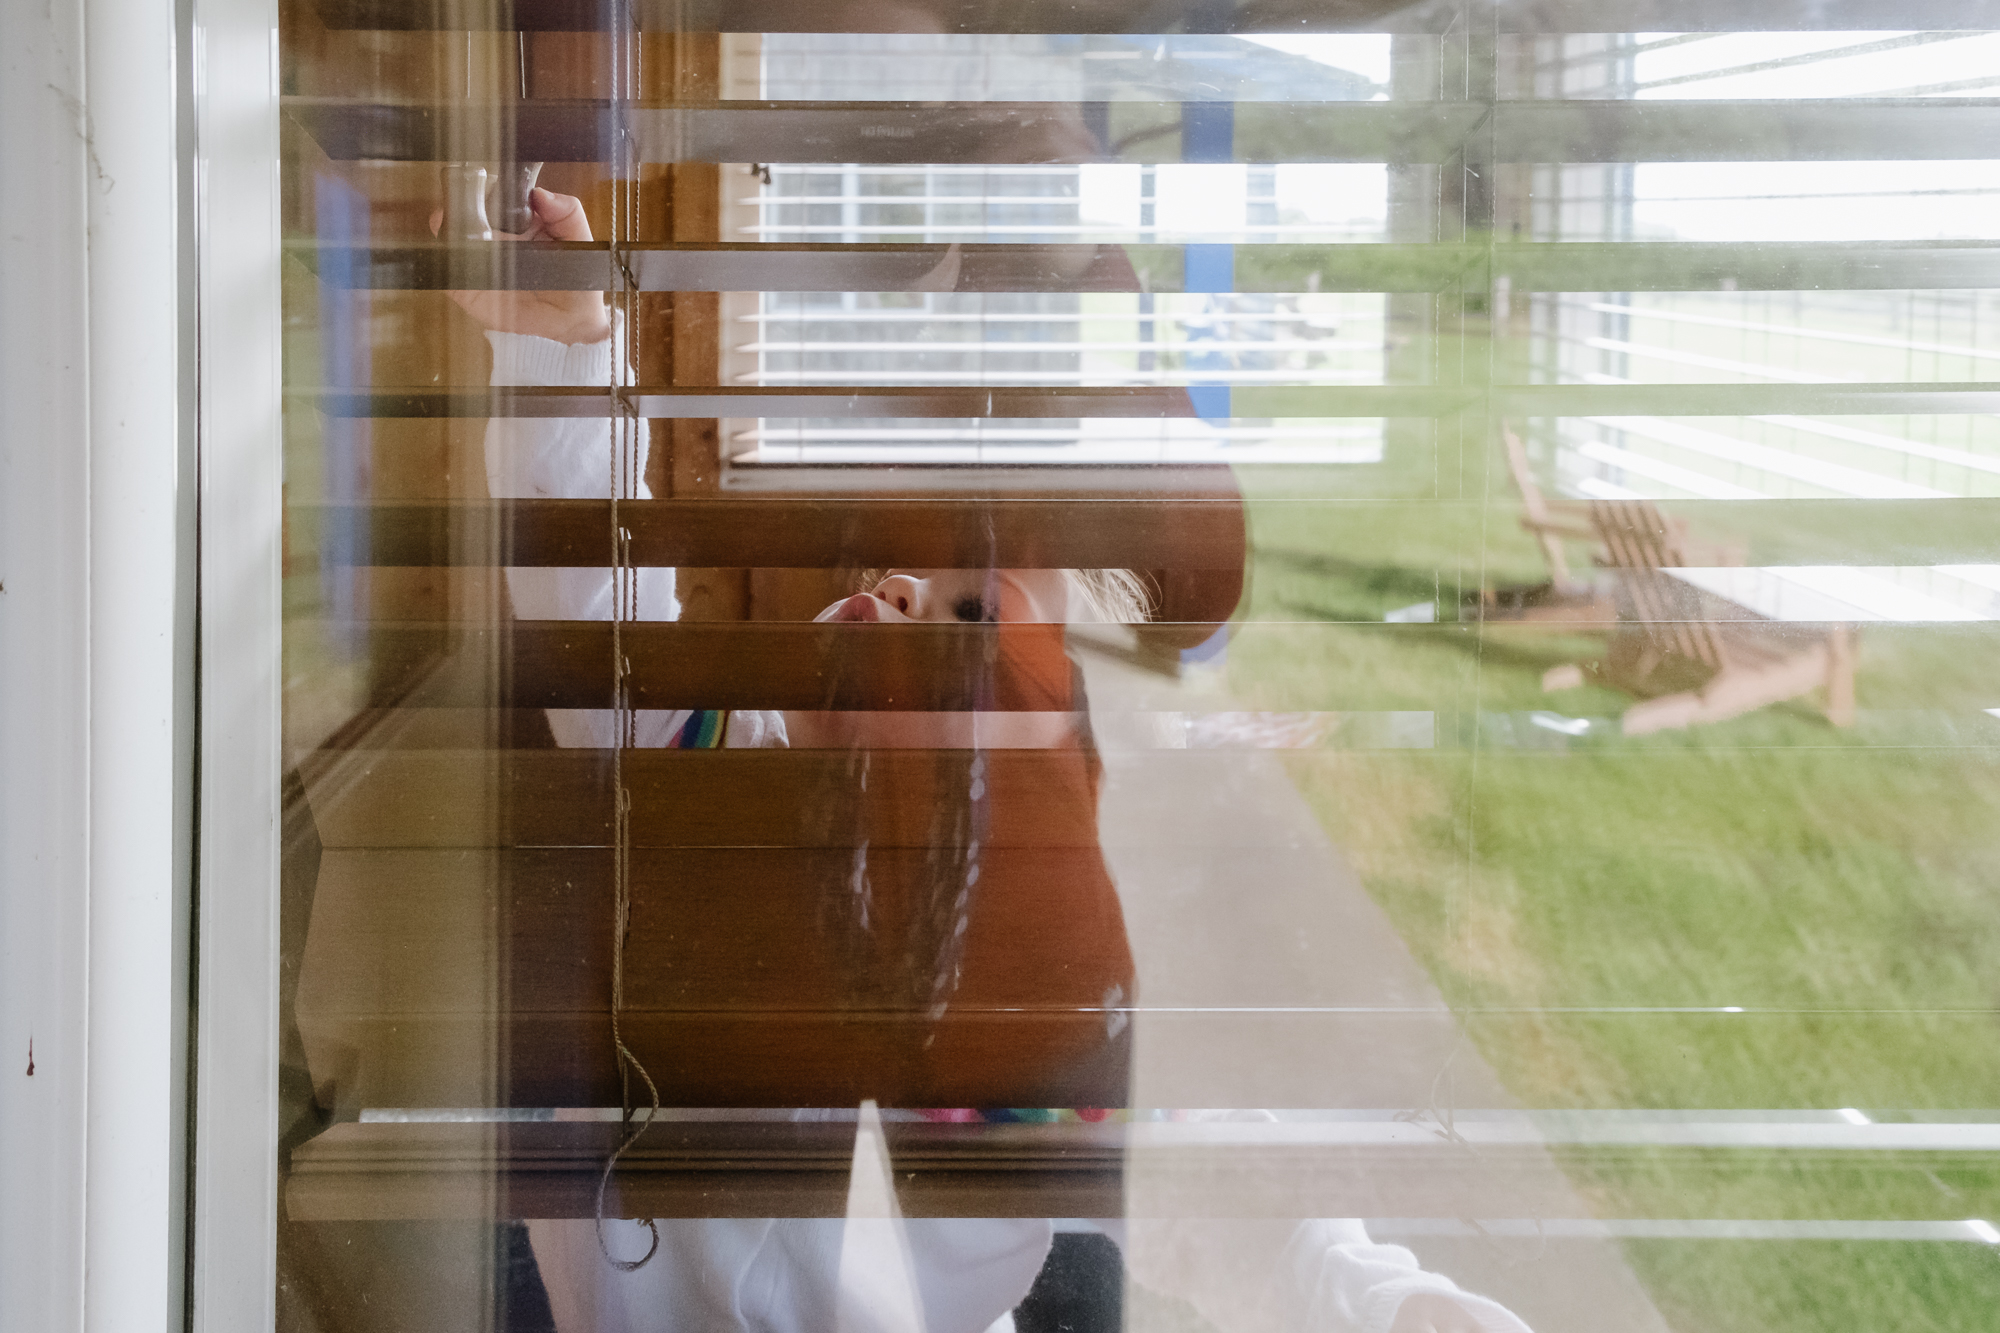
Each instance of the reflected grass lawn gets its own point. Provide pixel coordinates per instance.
(1755, 1286)
(1841, 888)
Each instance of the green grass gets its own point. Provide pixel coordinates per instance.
(1843, 888)
(1759, 1286)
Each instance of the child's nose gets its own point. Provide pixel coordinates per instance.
(904, 593)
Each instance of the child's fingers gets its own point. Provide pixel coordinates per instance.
(437, 220)
(561, 216)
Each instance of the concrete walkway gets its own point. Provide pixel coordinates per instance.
(1269, 979)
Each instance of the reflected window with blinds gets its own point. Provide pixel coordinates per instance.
(1225, 667)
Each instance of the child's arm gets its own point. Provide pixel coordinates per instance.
(561, 317)
(1298, 1275)
(554, 339)
(551, 339)
(1319, 1275)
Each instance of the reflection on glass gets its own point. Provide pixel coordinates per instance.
(1209, 677)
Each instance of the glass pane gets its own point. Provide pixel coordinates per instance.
(953, 669)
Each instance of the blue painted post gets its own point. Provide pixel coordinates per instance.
(1208, 134)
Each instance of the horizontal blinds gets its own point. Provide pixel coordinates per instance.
(1615, 358)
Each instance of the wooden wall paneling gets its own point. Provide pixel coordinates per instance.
(688, 67)
(376, 65)
(739, 187)
(573, 65)
(800, 594)
(569, 64)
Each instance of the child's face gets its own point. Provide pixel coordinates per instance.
(967, 595)
(906, 596)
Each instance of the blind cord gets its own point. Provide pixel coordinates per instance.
(624, 606)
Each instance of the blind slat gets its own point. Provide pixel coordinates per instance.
(818, 532)
(1920, 397)
(702, 920)
(1045, 16)
(1579, 266)
(1764, 130)
(404, 1172)
(799, 534)
(568, 664)
(713, 798)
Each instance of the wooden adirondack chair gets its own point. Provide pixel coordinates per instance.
(1732, 660)
(1548, 522)
(1561, 599)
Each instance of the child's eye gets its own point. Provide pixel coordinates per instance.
(972, 610)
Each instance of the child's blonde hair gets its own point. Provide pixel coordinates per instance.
(1107, 596)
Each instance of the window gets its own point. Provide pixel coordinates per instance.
(1213, 667)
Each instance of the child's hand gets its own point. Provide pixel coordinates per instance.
(1426, 1312)
(564, 317)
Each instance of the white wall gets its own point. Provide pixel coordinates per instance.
(44, 686)
(91, 889)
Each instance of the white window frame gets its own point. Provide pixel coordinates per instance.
(233, 1266)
